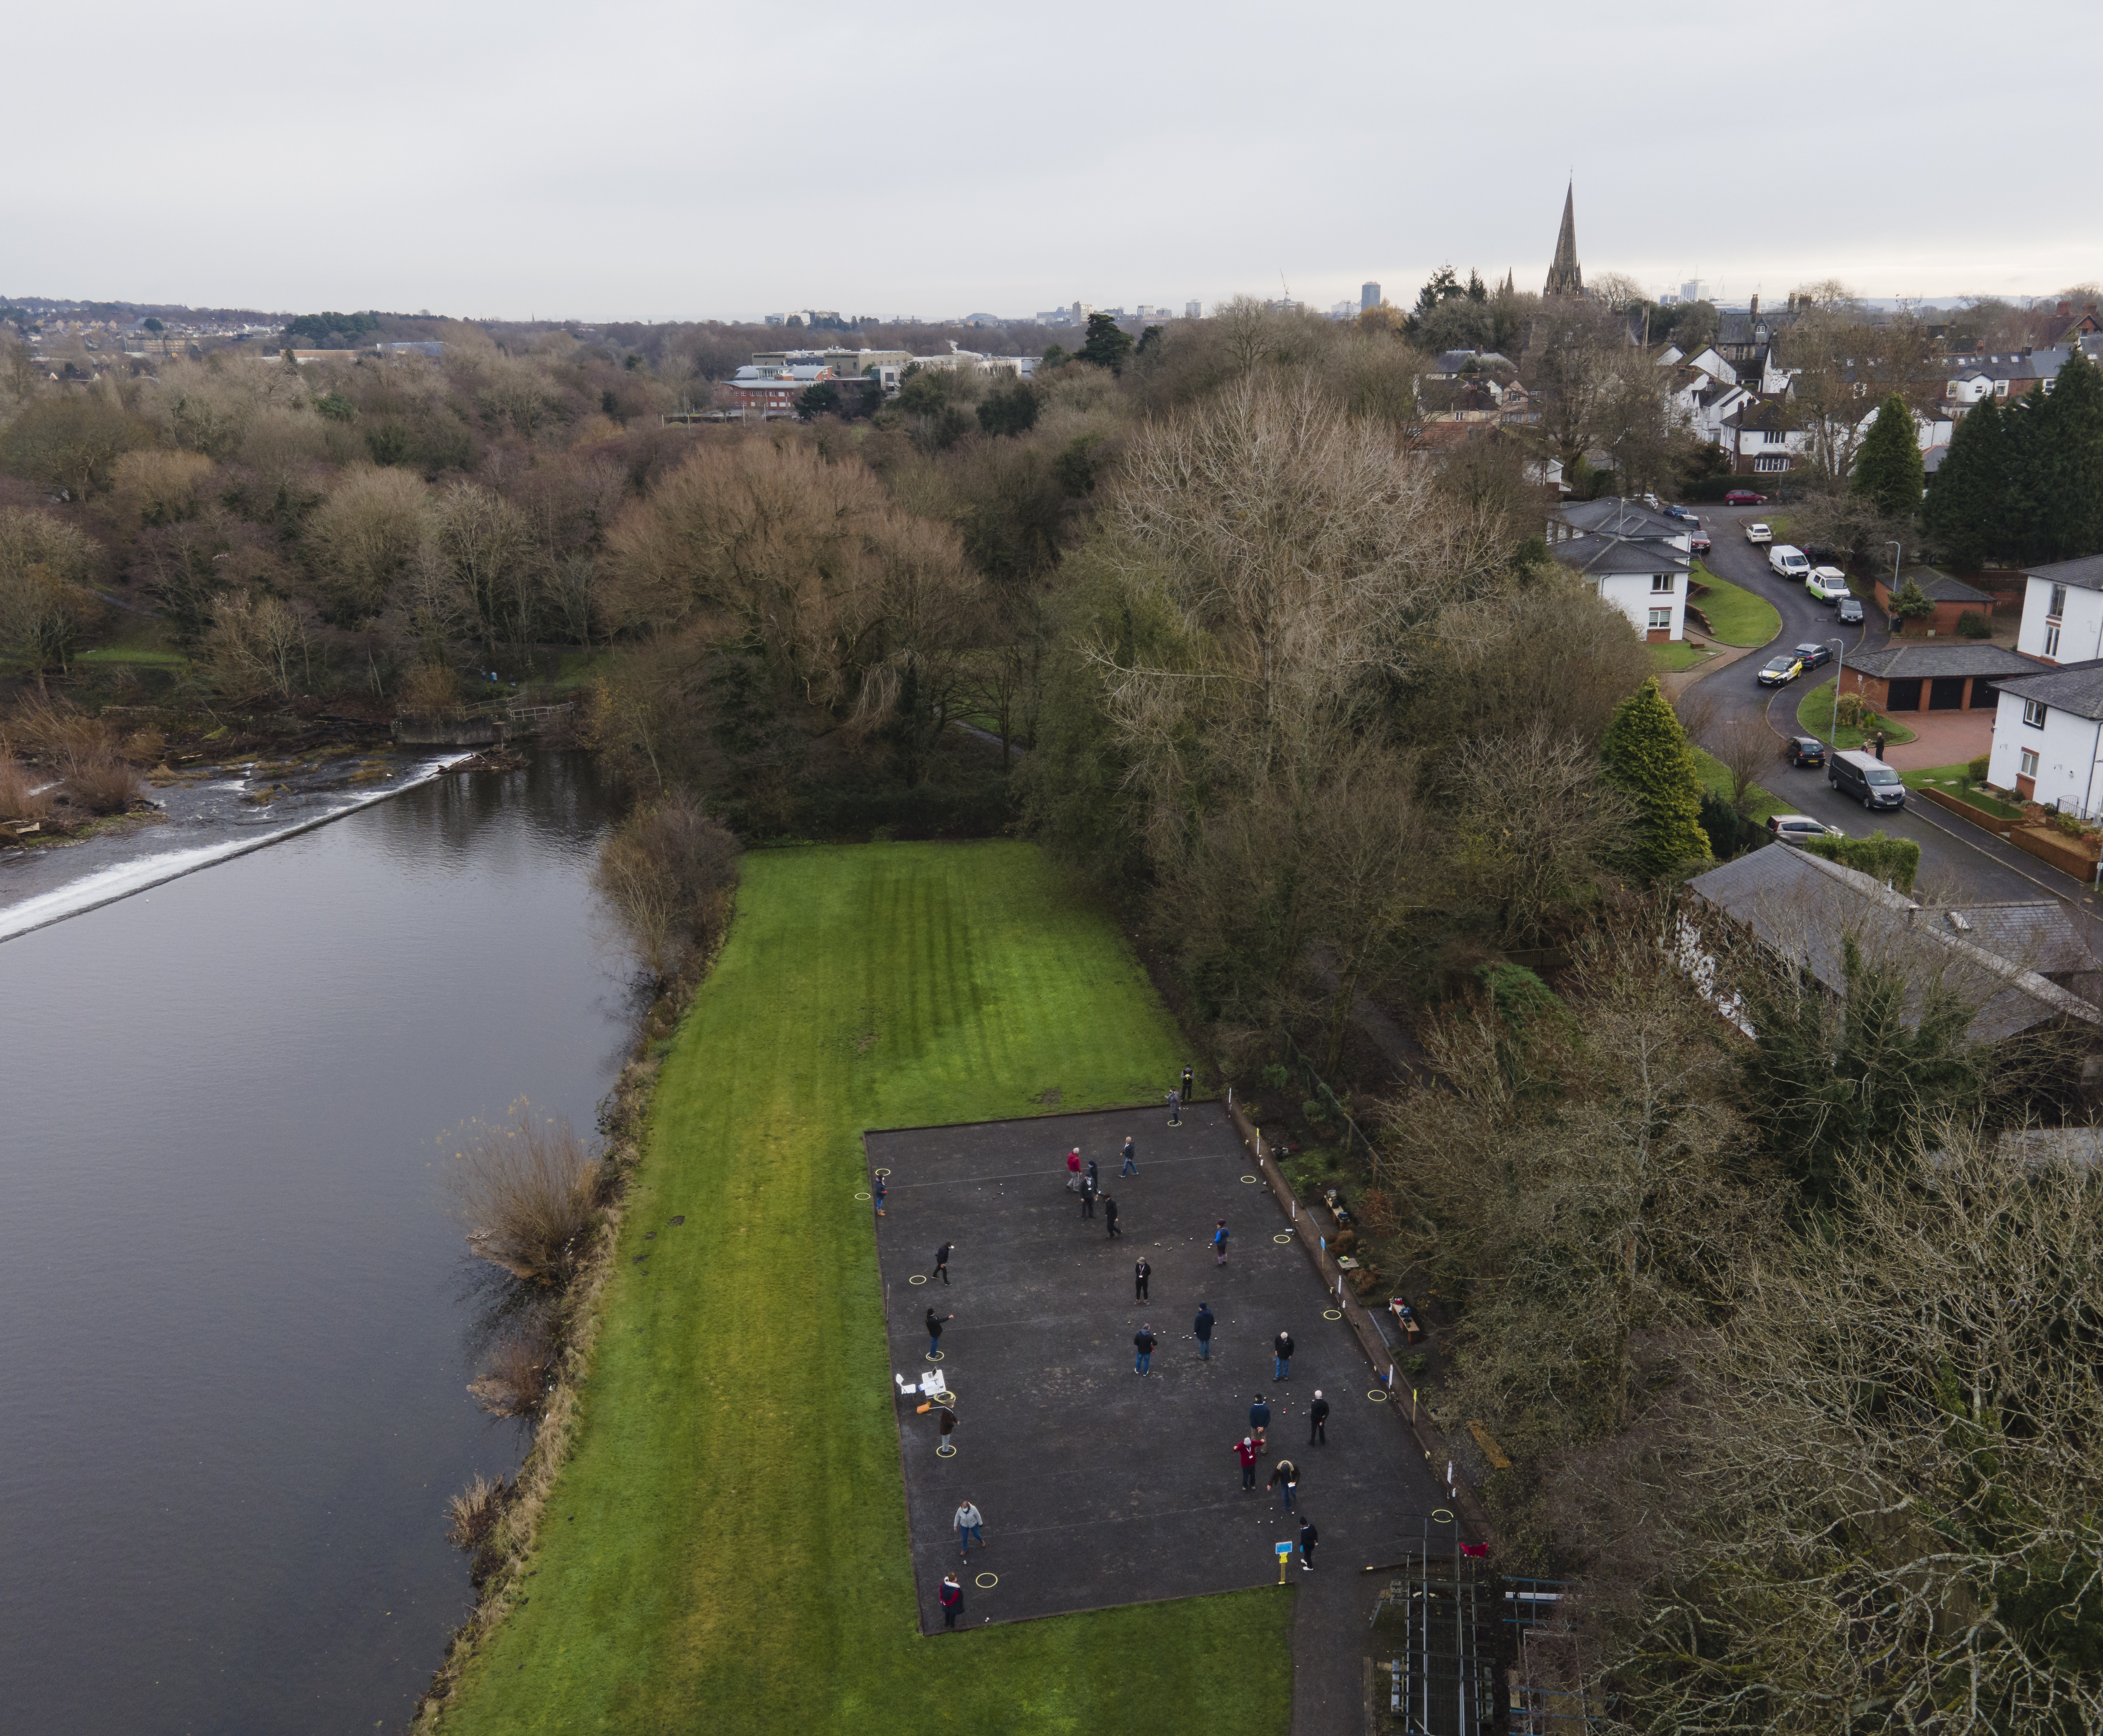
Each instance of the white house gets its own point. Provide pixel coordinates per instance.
(2048, 737)
(1636, 561)
(2063, 611)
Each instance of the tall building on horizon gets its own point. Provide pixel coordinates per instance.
(1369, 297)
(1564, 276)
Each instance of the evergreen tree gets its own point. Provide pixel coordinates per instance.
(1887, 469)
(1966, 508)
(1646, 753)
(1107, 344)
(2069, 459)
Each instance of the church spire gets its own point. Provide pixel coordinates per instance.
(1564, 277)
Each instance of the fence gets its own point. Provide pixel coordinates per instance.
(1317, 1091)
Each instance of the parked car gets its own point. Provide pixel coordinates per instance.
(1793, 827)
(1867, 778)
(1650, 501)
(1805, 750)
(1822, 554)
(1851, 610)
(1779, 671)
(1813, 656)
(1787, 561)
(1758, 533)
(1743, 497)
(1827, 584)
(1699, 543)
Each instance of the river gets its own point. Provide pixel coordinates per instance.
(235, 1347)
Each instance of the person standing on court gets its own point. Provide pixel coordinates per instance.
(1175, 1109)
(1110, 1211)
(1189, 1085)
(1318, 1420)
(1259, 1421)
(1140, 1274)
(1202, 1326)
(1087, 1197)
(953, 1600)
(935, 1323)
(1094, 1182)
(1245, 1450)
(942, 1262)
(971, 1528)
(1130, 1158)
(1308, 1536)
(1220, 1243)
(1073, 1162)
(1281, 1350)
(1143, 1341)
(1285, 1477)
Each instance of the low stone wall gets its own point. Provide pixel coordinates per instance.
(2060, 852)
(1979, 817)
(450, 732)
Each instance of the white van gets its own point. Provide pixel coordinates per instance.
(1791, 563)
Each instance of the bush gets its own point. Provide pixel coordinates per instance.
(2068, 825)
(516, 1374)
(667, 873)
(525, 1191)
(1277, 1076)
(21, 798)
(471, 1514)
(1895, 861)
(102, 783)
(429, 692)
(1517, 995)
(1972, 625)
(1314, 1110)
(1977, 770)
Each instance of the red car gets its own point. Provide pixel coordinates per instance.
(1743, 497)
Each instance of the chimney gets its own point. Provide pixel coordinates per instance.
(2065, 308)
(1756, 307)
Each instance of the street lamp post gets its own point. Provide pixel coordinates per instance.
(1898, 554)
(1840, 675)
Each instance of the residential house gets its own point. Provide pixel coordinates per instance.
(1966, 379)
(1805, 910)
(2063, 611)
(1635, 560)
(1959, 675)
(2048, 737)
(1952, 598)
(1764, 438)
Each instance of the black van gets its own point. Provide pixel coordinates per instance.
(1867, 778)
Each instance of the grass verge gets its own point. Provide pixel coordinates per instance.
(1814, 717)
(1737, 615)
(726, 1547)
(1760, 801)
(1669, 657)
(1955, 781)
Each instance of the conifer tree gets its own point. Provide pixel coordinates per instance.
(1967, 509)
(2067, 483)
(1646, 754)
(1887, 469)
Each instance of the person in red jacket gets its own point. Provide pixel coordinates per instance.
(1245, 1451)
(953, 1600)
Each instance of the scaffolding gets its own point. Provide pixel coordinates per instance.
(1441, 1618)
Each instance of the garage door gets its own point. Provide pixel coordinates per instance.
(1903, 696)
(1946, 693)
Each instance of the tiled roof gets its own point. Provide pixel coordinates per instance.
(1945, 589)
(1971, 657)
(1807, 908)
(1616, 517)
(2086, 572)
(2036, 933)
(2077, 687)
(1599, 556)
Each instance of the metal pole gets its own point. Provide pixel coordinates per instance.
(1838, 680)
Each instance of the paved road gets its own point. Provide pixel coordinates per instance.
(1957, 860)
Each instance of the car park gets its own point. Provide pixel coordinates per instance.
(1792, 829)
(1787, 561)
(1779, 671)
(1758, 533)
(1851, 610)
(1805, 750)
(1812, 656)
(1743, 497)
(1867, 778)
(1827, 584)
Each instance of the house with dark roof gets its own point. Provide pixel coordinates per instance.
(1952, 598)
(1611, 515)
(1805, 910)
(1647, 578)
(1946, 675)
(2063, 610)
(2048, 737)
(1764, 436)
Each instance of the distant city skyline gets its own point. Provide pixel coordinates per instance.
(487, 162)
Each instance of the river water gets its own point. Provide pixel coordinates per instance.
(234, 1345)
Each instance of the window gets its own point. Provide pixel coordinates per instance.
(2033, 713)
(1950, 390)
(1660, 618)
(2029, 763)
(2057, 612)
(2052, 639)
(2000, 389)
(1661, 581)
(1776, 436)
(1779, 461)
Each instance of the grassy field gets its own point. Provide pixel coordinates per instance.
(1669, 657)
(727, 1548)
(1956, 781)
(1814, 717)
(1737, 615)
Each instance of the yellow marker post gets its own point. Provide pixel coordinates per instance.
(1284, 1559)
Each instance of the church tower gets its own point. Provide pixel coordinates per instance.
(1564, 277)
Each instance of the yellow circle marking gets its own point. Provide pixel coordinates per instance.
(986, 1582)
(879, 1172)
(917, 1277)
(1378, 1395)
(1283, 1235)
(1443, 1515)
(863, 1195)
(934, 1356)
(1332, 1314)
(946, 1451)
(1249, 1181)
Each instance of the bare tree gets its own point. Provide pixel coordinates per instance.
(1746, 747)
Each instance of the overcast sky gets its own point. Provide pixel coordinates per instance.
(631, 160)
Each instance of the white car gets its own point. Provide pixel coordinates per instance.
(1790, 563)
(1792, 828)
(1827, 584)
(1758, 533)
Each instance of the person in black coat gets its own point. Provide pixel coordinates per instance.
(942, 1262)
(1109, 1212)
(1087, 1196)
(1318, 1420)
(1259, 1421)
(1189, 1084)
(1143, 1341)
(1140, 1273)
(935, 1322)
(1281, 1348)
(953, 1600)
(1202, 1326)
(1308, 1536)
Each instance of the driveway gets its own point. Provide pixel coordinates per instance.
(1958, 861)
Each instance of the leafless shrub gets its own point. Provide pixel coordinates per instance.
(473, 1513)
(1746, 747)
(21, 798)
(667, 873)
(102, 784)
(525, 1191)
(516, 1370)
